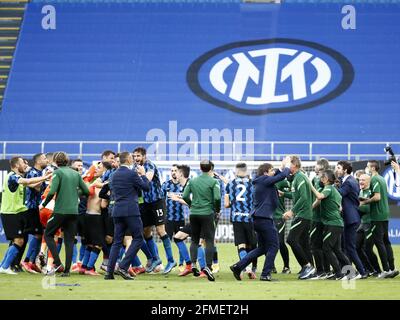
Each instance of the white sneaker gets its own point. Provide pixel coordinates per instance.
(358, 276)
(159, 268)
(215, 267)
(384, 274)
(7, 271)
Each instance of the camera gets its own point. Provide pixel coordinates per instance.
(388, 149)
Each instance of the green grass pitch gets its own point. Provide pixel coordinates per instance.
(158, 286)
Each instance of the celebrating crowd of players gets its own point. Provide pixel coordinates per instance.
(338, 218)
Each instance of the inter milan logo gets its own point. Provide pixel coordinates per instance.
(393, 184)
(272, 75)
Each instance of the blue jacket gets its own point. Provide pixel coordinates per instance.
(125, 185)
(350, 191)
(266, 195)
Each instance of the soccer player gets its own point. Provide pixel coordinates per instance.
(93, 225)
(175, 214)
(186, 231)
(239, 197)
(108, 158)
(378, 235)
(331, 206)
(179, 237)
(153, 211)
(77, 165)
(50, 164)
(13, 210)
(369, 259)
(111, 162)
(175, 217)
(32, 202)
(265, 204)
(298, 237)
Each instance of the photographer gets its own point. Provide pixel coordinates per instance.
(396, 168)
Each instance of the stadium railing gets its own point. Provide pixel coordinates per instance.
(229, 151)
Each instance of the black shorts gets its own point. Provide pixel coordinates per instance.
(94, 229)
(80, 225)
(244, 233)
(33, 225)
(186, 229)
(172, 227)
(108, 223)
(153, 214)
(14, 225)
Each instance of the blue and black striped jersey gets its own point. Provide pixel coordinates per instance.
(174, 208)
(155, 192)
(240, 193)
(33, 197)
(107, 175)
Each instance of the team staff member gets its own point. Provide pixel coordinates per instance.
(370, 261)
(205, 204)
(350, 190)
(317, 229)
(379, 235)
(265, 203)
(125, 185)
(298, 237)
(283, 188)
(330, 202)
(13, 210)
(65, 182)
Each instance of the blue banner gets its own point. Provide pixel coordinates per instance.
(394, 231)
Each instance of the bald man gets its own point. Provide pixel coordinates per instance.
(368, 257)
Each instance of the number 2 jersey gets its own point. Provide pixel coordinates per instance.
(240, 191)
